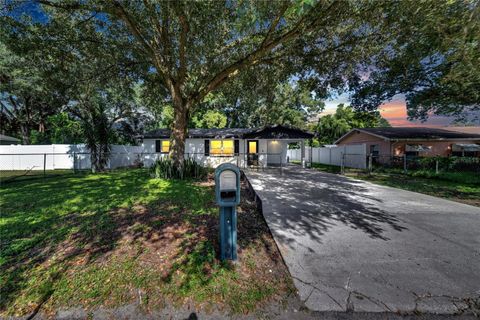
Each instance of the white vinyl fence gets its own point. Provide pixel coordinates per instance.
(355, 156)
(62, 156)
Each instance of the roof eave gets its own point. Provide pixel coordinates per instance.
(435, 139)
(363, 131)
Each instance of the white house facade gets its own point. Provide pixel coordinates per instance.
(244, 147)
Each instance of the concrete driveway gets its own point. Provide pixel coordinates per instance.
(354, 246)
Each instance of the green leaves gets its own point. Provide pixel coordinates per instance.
(433, 61)
(332, 127)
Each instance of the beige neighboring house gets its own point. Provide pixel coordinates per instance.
(414, 141)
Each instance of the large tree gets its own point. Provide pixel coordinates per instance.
(189, 49)
(435, 63)
(29, 92)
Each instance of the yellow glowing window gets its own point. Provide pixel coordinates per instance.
(222, 147)
(165, 146)
(252, 147)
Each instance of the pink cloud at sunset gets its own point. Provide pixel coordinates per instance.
(396, 113)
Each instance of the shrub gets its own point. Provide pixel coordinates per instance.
(165, 168)
(465, 164)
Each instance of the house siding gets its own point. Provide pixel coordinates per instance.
(270, 153)
(393, 148)
(368, 139)
(438, 148)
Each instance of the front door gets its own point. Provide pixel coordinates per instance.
(252, 152)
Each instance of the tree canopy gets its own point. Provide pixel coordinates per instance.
(266, 61)
(435, 62)
(188, 49)
(331, 127)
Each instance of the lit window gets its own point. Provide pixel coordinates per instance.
(165, 146)
(222, 147)
(228, 147)
(252, 146)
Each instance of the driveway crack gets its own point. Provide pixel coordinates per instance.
(319, 290)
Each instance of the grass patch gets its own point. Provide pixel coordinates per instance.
(457, 186)
(123, 237)
(18, 175)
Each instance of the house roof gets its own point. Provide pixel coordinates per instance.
(200, 133)
(270, 132)
(278, 132)
(8, 138)
(413, 133)
(475, 130)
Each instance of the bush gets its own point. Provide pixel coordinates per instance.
(164, 168)
(465, 164)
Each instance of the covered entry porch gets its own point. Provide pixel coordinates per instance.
(267, 147)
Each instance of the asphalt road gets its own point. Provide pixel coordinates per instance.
(354, 246)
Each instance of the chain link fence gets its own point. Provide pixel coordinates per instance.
(14, 167)
(24, 166)
(406, 164)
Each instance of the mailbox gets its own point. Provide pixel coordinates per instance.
(227, 191)
(227, 184)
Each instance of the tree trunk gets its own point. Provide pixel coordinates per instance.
(25, 133)
(179, 133)
(41, 126)
(93, 160)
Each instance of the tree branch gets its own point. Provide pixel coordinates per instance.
(275, 23)
(5, 109)
(154, 21)
(119, 11)
(182, 71)
(157, 60)
(254, 57)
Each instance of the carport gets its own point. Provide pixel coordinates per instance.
(354, 246)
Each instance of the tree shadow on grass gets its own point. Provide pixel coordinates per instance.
(50, 227)
(48, 224)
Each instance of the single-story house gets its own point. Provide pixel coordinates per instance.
(261, 147)
(413, 141)
(7, 140)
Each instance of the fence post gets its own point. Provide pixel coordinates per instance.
(405, 163)
(44, 165)
(370, 162)
(74, 162)
(436, 166)
(342, 167)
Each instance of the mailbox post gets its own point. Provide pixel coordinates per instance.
(227, 191)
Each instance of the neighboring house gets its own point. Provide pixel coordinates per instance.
(245, 147)
(413, 141)
(7, 140)
(471, 129)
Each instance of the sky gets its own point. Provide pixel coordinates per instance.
(395, 111)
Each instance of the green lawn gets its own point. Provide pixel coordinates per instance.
(457, 186)
(17, 175)
(443, 187)
(122, 237)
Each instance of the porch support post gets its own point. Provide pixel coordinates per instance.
(311, 152)
(302, 146)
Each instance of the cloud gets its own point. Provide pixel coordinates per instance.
(395, 111)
